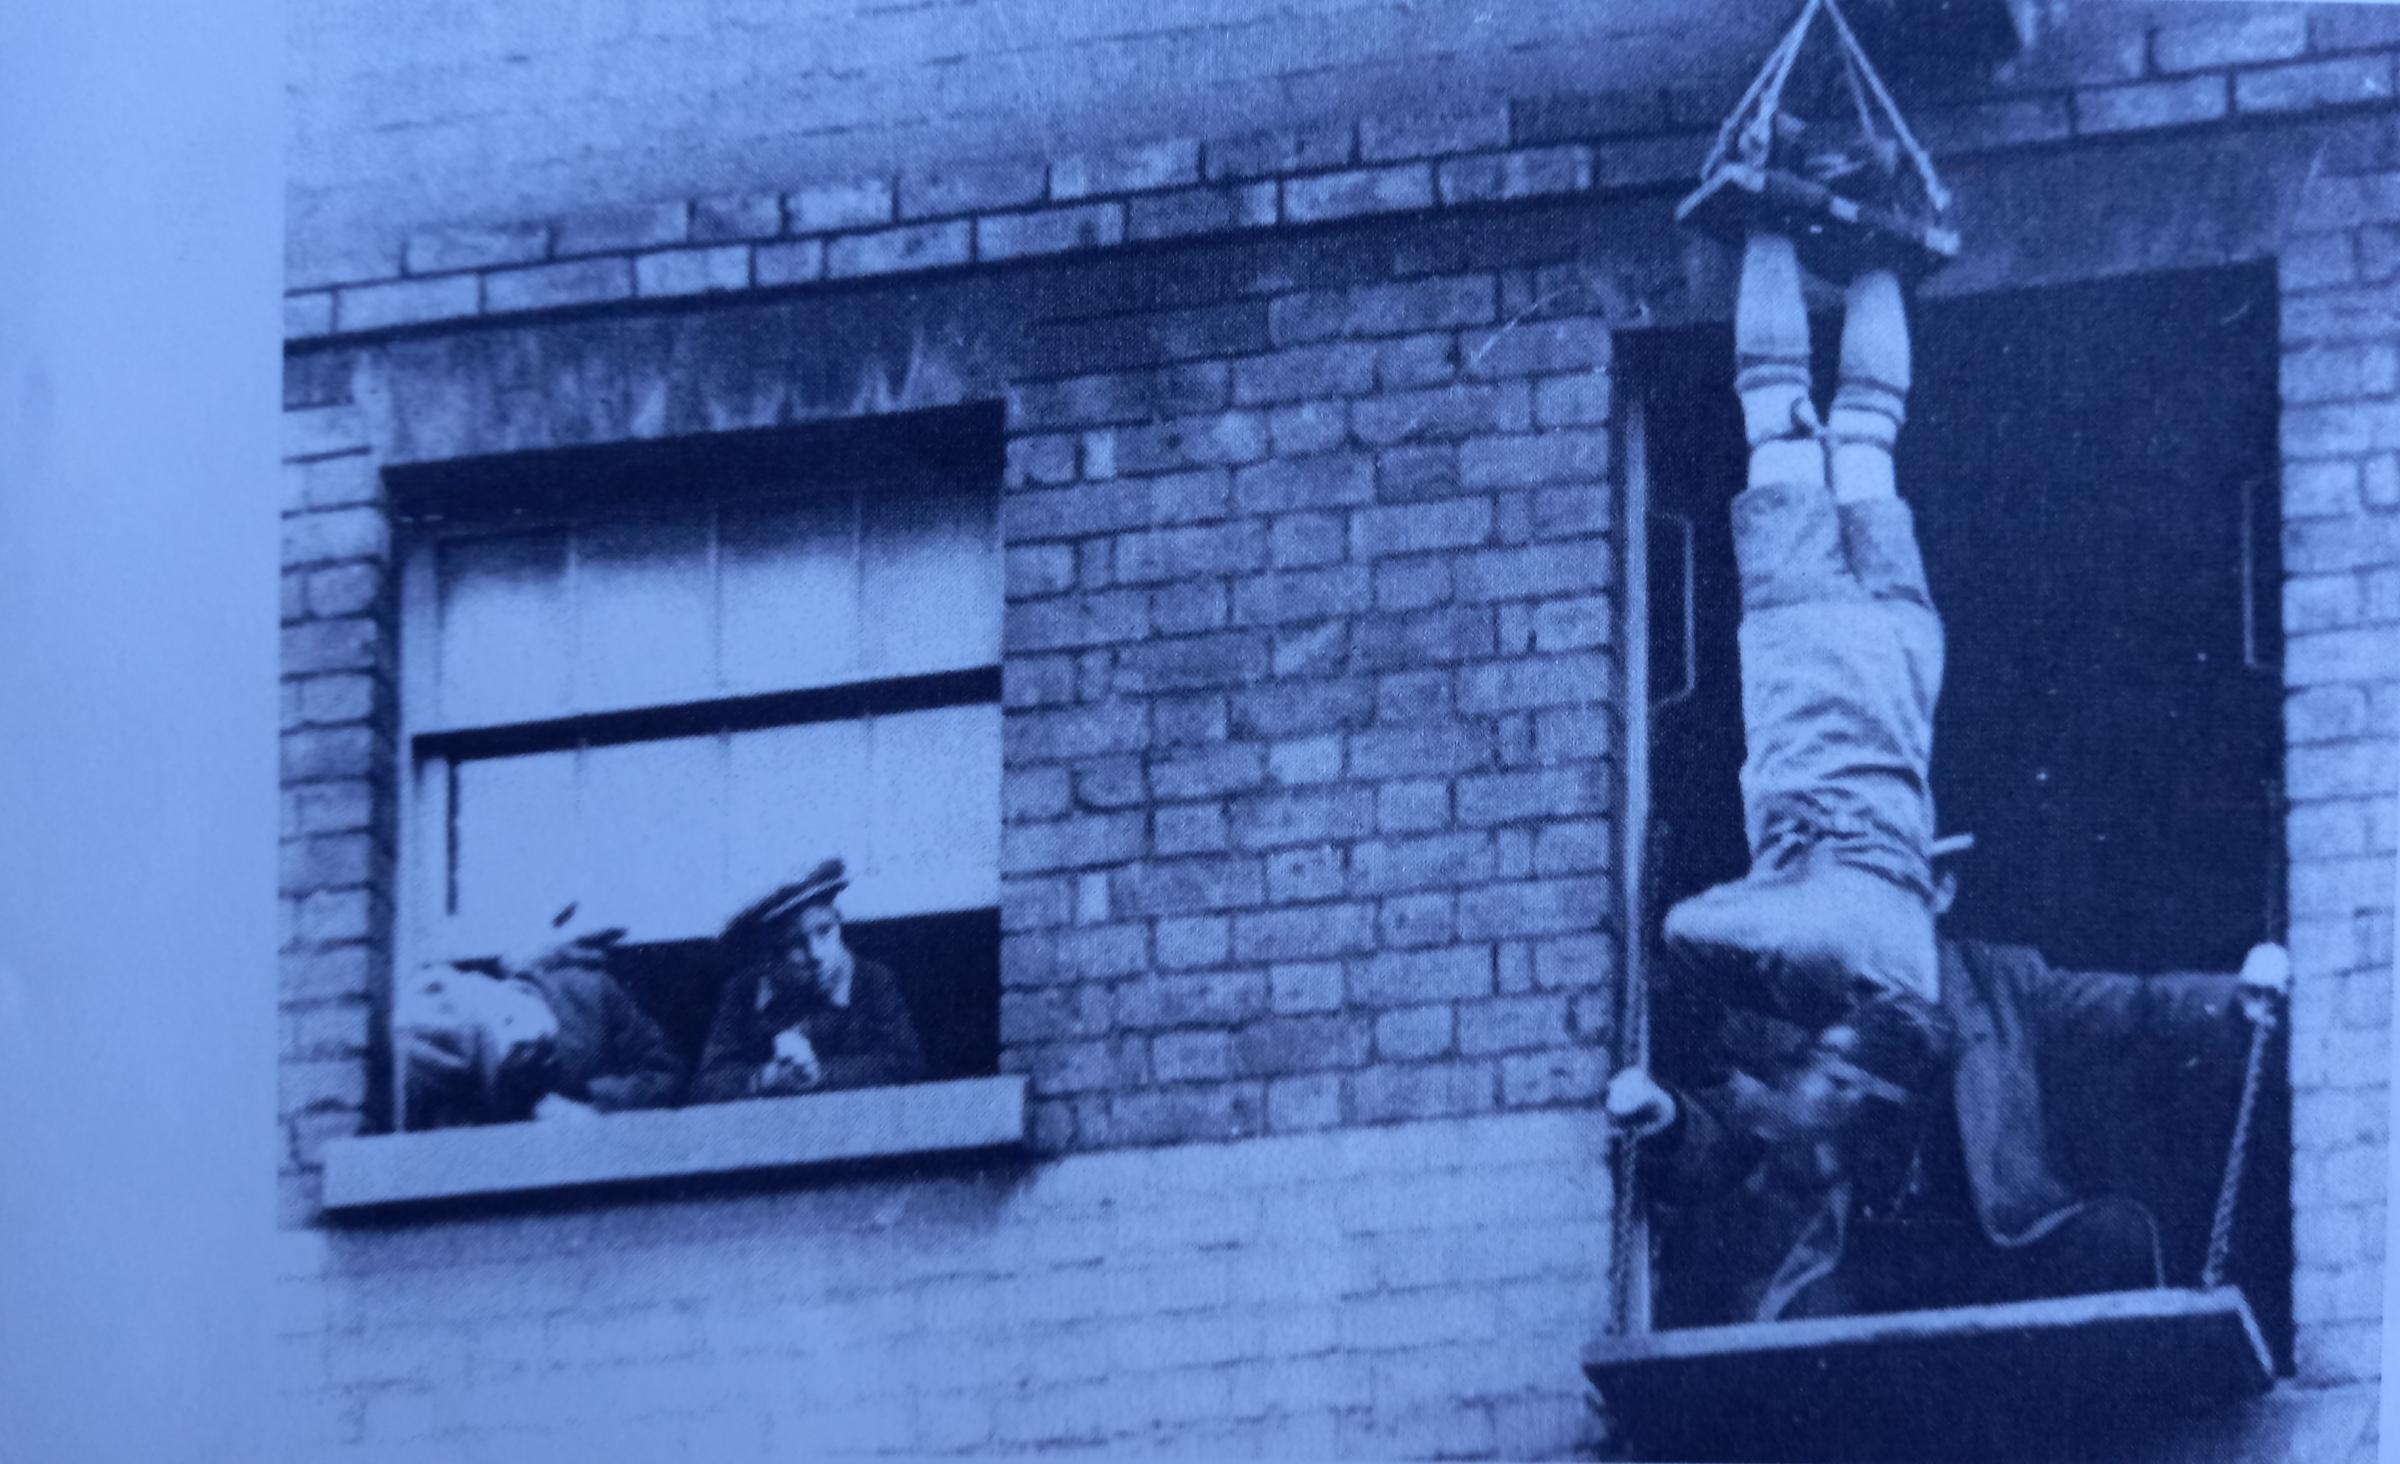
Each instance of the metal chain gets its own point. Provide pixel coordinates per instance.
(1624, 1232)
(2229, 1190)
(1630, 1238)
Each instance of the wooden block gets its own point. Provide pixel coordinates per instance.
(1836, 235)
(2012, 1379)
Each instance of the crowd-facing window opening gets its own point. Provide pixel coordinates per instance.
(2093, 476)
(700, 756)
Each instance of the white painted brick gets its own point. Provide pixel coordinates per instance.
(1441, 1201)
(315, 432)
(1406, 1260)
(468, 1294)
(1063, 1240)
(2336, 1353)
(1536, 1140)
(2341, 886)
(297, 1309)
(1207, 1296)
(1547, 1308)
(2345, 1294)
(1301, 1385)
(775, 1331)
(808, 1429)
(1420, 1318)
(424, 1356)
(1196, 1223)
(1076, 1355)
(1551, 1425)
(1463, 1372)
(1147, 1344)
(300, 1366)
(1438, 1430)
(954, 1422)
(1293, 1330)
(1049, 1416)
(299, 1254)
(404, 1415)
(637, 1336)
(1312, 1434)
(1199, 1283)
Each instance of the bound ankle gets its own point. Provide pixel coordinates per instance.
(1775, 402)
(1864, 426)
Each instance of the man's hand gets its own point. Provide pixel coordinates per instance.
(794, 1067)
(1636, 1104)
(2265, 982)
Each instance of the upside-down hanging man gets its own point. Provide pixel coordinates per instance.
(1856, 1115)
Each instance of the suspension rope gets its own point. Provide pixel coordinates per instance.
(1753, 117)
(1856, 86)
(1935, 193)
(1769, 82)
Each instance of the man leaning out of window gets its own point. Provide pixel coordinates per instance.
(544, 1033)
(800, 1012)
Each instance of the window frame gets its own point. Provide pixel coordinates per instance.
(1648, 689)
(430, 749)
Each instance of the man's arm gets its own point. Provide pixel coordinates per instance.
(727, 1064)
(642, 1069)
(888, 1051)
(1692, 1148)
(2109, 1017)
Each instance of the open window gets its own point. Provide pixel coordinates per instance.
(658, 681)
(2094, 474)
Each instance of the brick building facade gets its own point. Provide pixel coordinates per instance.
(1309, 451)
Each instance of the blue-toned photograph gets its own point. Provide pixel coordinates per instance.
(1290, 729)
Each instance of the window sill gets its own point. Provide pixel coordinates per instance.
(716, 1139)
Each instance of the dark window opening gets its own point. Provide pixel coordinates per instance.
(2095, 477)
(942, 962)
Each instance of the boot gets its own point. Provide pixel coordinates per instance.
(1809, 938)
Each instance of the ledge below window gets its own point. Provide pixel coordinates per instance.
(679, 1143)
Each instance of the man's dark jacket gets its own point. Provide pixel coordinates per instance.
(2069, 1084)
(608, 1052)
(869, 1043)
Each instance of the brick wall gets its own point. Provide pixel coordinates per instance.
(2341, 502)
(434, 110)
(1308, 668)
(1388, 1294)
(338, 824)
(1309, 731)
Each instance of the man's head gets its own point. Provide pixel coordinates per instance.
(798, 920)
(1882, 1060)
(811, 936)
